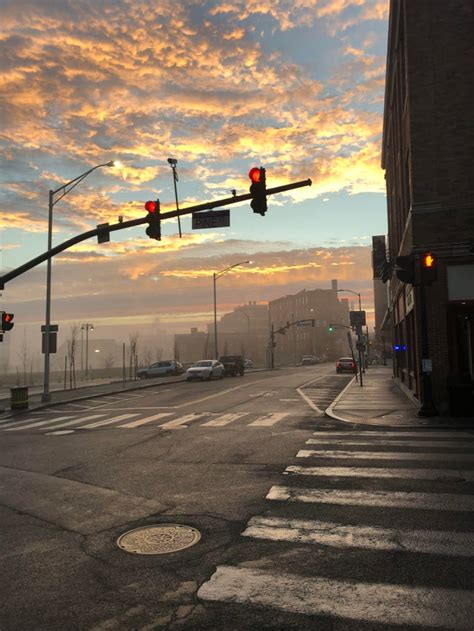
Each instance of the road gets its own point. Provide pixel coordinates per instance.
(305, 522)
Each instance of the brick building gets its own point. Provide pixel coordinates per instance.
(322, 305)
(427, 154)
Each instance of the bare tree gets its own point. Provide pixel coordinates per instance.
(72, 349)
(147, 356)
(24, 357)
(133, 348)
(109, 361)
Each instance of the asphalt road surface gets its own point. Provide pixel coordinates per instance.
(304, 523)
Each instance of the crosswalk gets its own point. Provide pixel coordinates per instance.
(108, 419)
(381, 529)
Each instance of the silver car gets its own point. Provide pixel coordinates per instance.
(205, 369)
(161, 369)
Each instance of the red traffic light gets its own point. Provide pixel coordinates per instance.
(429, 260)
(150, 206)
(254, 174)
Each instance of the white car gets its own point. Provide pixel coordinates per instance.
(205, 369)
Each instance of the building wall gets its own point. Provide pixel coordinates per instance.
(428, 146)
(322, 305)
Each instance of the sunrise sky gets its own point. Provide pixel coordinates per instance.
(293, 85)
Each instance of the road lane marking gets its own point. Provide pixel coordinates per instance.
(440, 475)
(386, 604)
(148, 419)
(461, 444)
(225, 419)
(386, 499)
(269, 419)
(182, 420)
(116, 419)
(380, 455)
(309, 402)
(367, 537)
(30, 425)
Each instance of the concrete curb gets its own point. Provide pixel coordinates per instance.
(329, 411)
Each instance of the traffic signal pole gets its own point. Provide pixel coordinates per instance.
(138, 222)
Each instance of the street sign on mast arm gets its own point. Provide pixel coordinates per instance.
(121, 225)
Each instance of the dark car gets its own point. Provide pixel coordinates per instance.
(161, 369)
(309, 360)
(346, 364)
(233, 364)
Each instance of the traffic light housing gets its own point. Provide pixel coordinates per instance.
(405, 269)
(428, 268)
(7, 321)
(154, 219)
(258, 190)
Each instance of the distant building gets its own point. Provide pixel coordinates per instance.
(243, 331)
(191, 347)
(427, 154)
(322, 305)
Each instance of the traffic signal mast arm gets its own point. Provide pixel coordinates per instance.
(138, 222)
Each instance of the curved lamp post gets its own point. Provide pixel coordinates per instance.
(215, 276)
(54, 197)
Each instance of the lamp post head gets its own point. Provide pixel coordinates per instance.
(113, 163)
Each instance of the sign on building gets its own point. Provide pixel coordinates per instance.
(379, 256)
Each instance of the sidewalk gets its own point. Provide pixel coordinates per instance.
(381, 402)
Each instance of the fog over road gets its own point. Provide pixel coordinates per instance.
(302, 519)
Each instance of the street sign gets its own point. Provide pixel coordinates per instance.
(211, 219)
(305, 322)
(52, 342)
(52, 328)
(357, 318)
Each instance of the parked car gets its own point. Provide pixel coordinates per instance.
(346, 364)
(205, 369)
(161, 369)
(309, 360)
(233, 364)
(248, 363)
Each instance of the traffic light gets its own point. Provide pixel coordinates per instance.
(428, 268)
(7, 321)
(405, 269)
(154, 219)
(330, 328)
(258, 190)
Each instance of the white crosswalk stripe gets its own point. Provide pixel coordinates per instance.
(380, 455)
(393, 499)
(225, 419)
(83, 419)
(38, 424)
(108, 421)
(269, 419)
(148, 419)
(386, 604)
(182, 420)
(395, 443)
(279, 587)
(446, 475)
(374, 538)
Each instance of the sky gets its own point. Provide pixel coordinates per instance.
(296, 86)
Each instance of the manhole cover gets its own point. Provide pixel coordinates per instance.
(161, 539)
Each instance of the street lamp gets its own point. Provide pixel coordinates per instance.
(215, 276)
(62, 191)
(87, 327)
(356, 293)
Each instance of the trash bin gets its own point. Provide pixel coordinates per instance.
(19, 398)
